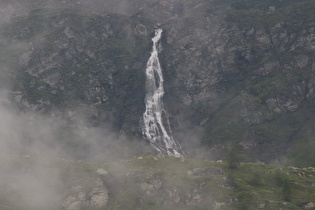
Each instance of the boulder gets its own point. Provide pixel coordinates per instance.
(101, 172)
(309, 205)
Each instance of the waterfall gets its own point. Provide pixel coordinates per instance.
(156, 126)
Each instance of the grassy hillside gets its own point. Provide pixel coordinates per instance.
(162, 183)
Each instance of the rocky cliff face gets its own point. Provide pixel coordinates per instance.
(245, 76)
(238, 74)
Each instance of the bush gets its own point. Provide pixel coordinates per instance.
(233, 159)
(256, 179)
(286, 190)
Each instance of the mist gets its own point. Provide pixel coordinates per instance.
(33, 141)
(25, 136)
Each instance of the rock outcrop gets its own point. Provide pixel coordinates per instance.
(82, 198)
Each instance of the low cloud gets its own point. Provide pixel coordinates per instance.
(30, 144)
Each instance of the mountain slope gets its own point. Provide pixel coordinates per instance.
(239, 75)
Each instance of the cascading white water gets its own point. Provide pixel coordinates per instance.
(155, 116)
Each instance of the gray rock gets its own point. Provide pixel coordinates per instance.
(219, 205)
(174, 195)
(301, 174)
(25, 58)
(193, 198)
(72, 203)
(309, 205)
(272, 9)
(99, 197)
(101, 172)
(151, 185)
(301, 60)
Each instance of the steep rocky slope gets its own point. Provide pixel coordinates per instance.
(239, 75)
(245, 76)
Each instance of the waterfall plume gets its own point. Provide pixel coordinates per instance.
(156, 126)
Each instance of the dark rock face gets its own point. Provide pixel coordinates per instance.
(82, 60)
(238, 74)
(244, 76)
